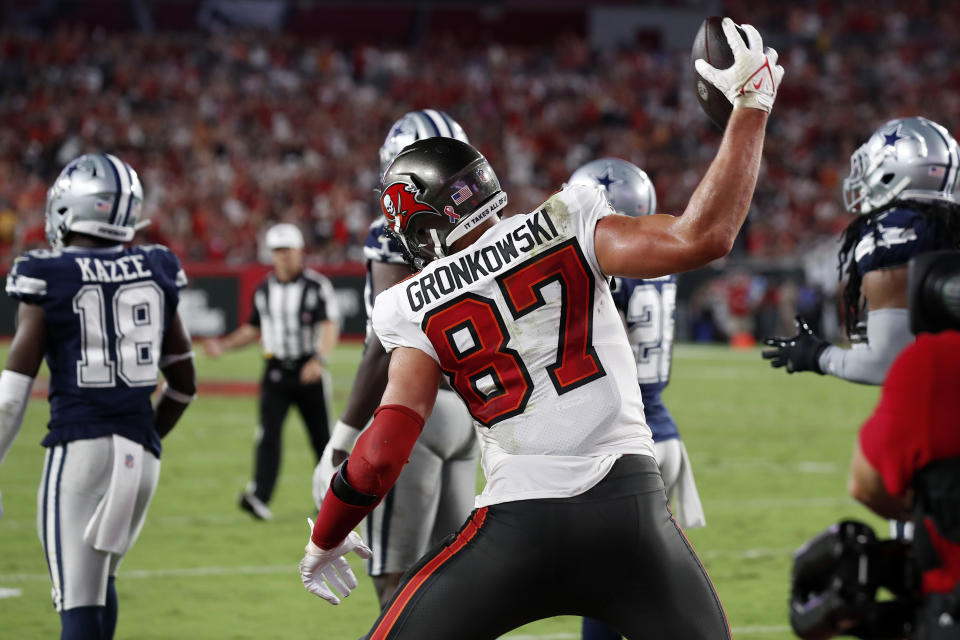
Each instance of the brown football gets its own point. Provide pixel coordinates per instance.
(711, 45)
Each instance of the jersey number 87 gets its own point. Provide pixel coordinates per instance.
(470, 336)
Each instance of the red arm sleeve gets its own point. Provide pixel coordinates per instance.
(375, 464)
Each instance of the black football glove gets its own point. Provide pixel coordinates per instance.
(799, 353)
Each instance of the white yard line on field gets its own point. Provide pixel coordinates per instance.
(279, 569)
(10, 593)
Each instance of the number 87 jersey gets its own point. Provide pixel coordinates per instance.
(106, 312)
(523, 324)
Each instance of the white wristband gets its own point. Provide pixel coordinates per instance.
(343, 436)
(166, 361)
(14, 394)
(177, 396)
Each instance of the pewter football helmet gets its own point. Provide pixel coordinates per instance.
(905, 159)
(97, 195)
(417, 125)
(436, 192)
(628, 187)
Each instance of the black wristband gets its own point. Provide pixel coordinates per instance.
(348, 494)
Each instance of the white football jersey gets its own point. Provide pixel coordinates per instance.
(523, 325)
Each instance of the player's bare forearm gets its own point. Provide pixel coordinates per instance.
(719, 204)
(657, 245)
(29, 342)
(180, 377)
(371, 378)
(368, 385)
(166, 414)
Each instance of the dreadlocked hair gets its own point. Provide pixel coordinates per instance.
(943, 225)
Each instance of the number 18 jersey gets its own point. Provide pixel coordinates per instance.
(523, 325)
(106, 312)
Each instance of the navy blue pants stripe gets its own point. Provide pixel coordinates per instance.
(43, 506)
(63, 458)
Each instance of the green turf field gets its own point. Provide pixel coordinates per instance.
(769, 451)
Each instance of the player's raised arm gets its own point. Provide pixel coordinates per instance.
(653, 246)
(180, 387)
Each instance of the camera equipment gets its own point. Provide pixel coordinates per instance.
(835, 580)
(933, 291)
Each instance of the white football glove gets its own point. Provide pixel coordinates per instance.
(322, 475)
(342, 438)
(753, 78)
(325, 572)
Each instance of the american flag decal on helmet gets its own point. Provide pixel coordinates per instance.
(461, 194)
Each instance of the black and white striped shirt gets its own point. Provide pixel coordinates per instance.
(287, 314)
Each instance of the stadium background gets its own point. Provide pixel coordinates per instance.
(238, 114)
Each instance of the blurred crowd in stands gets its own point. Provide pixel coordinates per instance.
(233, 131)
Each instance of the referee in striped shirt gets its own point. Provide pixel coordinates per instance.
(295, 315)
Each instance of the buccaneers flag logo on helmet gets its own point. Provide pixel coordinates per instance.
(399, 203)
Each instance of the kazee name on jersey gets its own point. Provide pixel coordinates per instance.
(121, 269)
(490, 259)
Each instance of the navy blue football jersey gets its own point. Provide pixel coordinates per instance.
(649, 308)
(893, 238)
(106, 312)
(379, 247)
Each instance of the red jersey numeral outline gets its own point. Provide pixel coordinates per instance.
(577, 361)
(522, 287)
(489, 356)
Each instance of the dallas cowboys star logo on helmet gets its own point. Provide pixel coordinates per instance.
(890, 139)
(606, 178)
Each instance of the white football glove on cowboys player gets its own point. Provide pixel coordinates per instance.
(322, 475)
(753, 78)
(325, 572)
(342, 439)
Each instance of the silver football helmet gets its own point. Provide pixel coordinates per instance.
(417, 125)
(905, 159)
(628, 187)
(97, 195)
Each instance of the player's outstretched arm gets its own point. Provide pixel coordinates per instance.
(180, 386)
(888, 330)
(888, 333)
(16, 380)
(375, 463)
(659, 245)
(653, 246)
